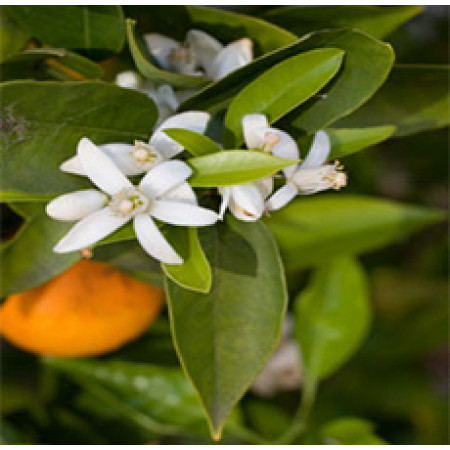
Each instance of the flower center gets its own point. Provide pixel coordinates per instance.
(269, 141)
(129, 202)
(143, 153)
(310, 180)
(183, 60)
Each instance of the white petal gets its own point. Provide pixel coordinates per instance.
(100, 169)
(286, 147)
(76, 205)
(120, 154)
(181, 213)
(247, 202)
(265, 185)
(252, 127)
(90, 230)
(226, 195)
(161, 47)
(190, 120)
(232, 57)
(281, 197)
(319, 151)
(182, 193)
(165, 177)
(153, 242)
(129, 79)
(73, 165)
(205, 47)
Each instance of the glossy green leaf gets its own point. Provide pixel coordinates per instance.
(195, 143)
(155, 397)
(378, 21)
(195, 273)
(350, 431)
(60, 63)
(311, 230)
(281, 88)
(95, 29)
(12, 38)
(234, 167)
(43, 122)
(225, 337)
(399, 102)
(366, 66)
(149, 70)
(332, 316)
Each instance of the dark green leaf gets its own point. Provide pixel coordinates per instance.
(414, 99)
(197, 144)
(312, 230)
(281, 89)
(332, 316)
(378, 21)
(234, 167)
(12, 38)
(195, 272)
(225, 337)
(95, 29)
(43, 122)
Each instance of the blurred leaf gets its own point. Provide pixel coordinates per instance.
(277, 91)
(195, 143)
(366, 66)
(12, 38)
(195, 273)
(224, 338)
(350, 431)
(234, 167)
(43, 122)
(332, 316)
(95, 29)
(399, 102)
(378, 21)
(63, 64)
(10, 435)
(312, 230)
(151, 71)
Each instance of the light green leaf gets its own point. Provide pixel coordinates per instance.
(197, 144)
(195, 273)
(225, 337)
(281, 89)
(332, 316)
(43, 122)
(149, 70)
(365, 68)
(95, 29)
(399, 102)
(12, 38)
(350, 431)
(234, 167)
(312, 230)
(378, 21)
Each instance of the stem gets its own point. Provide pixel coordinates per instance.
(298, 425)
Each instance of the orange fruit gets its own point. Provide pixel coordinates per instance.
(90, 309)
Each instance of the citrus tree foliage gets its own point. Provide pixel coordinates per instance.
(313, 69)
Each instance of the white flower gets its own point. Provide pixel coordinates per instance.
(141, 157)
(246, 201)
(161, 194)
(311, 176)
(200, 54)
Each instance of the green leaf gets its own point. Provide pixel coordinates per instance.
(225, 337)
(195, 273)
(332, 316)
(43, 122)
(365, 68)
(60, 63)
(399, 102)
(378, 21)
(350, 431)
(12, 38)
(149, 70)
(281, 88)
(155, 397)
(311, 230)
(97, 29)
(234, 167)
(197, 144)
